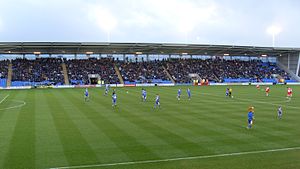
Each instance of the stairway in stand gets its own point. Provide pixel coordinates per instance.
(65, 71)
(168, 74)
(119, 74)
(9, 75)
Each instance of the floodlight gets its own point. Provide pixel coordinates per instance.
(273, 30)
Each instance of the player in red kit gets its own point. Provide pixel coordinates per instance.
(267, 91)
(289, 92)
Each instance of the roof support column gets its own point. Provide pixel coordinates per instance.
(288, 61)
(136, 58)
(298, 66)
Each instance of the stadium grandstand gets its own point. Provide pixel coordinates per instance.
(33, 63)
(149, 84)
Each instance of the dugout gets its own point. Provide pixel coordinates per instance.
(94, 79)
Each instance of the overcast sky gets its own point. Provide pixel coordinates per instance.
(233, 22)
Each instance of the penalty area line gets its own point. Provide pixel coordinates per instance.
(178, 159)
(4, 99)
(16, 106)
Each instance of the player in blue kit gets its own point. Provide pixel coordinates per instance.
(189, 93)
(227, 92)
(114, 99)
(178, 94)
(250, 117)
(106, 90)
(86, 95)
(144, 95)
(157, 101)
(279, 112)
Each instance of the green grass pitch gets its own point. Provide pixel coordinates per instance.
(48, 128)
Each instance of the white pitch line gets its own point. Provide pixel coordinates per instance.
(178, 159)
(17, 106)
(4, 98)
(288, 99)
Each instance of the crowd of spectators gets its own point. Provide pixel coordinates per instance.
(142, 72)
(48, 70)
(180, 69)
(3, 68)
(218, 69)
(78, 70)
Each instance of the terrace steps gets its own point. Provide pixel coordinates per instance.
(9, 75)
(168, 74)
(119, 74)
(65, 71)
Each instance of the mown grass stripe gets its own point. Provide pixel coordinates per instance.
(8, 120)
(22, 144)
(49, 149)
(76, 149)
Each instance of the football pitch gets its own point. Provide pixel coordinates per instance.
(55, 128)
